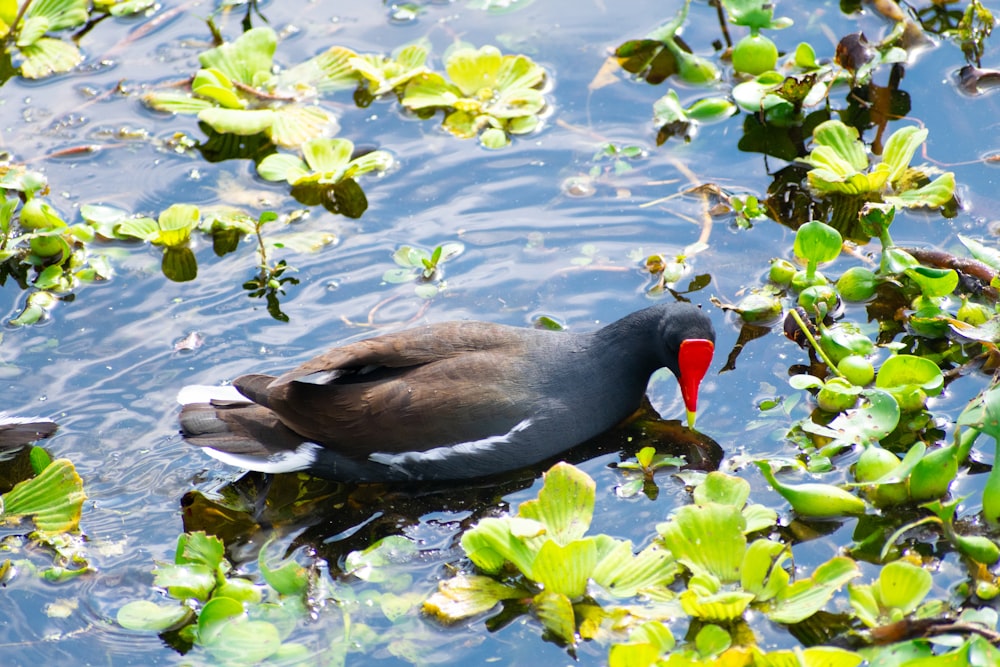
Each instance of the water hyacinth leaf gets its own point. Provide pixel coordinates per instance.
(53, 499)
(327, 155)
(934, 281)
(633, 654)
(294, 124)
(152, 617)
(900, 149)
(241, 590)
(60, 14)
(712, 640)
(494, 138)
(903, 370)
(565, 504)
(623, 574)
(214, 615)
(201, 549)
(758, 517)
(804, 598)
(817, 242)
(813, 499)
(48, 56)
(707, 538)
(555, 611)
(282, 167)
(188, 581)
(246, 59)
(32, 29)
(467, 595)
(711, 109)
(982, 252)
(565, 569)
(287, 576)
(828, 656)
(238, 641)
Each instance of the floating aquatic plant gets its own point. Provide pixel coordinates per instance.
(237, 92)
(327, 174)
(485, 94)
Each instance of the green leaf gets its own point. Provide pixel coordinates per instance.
(60, 14)
(176, 103)
(623, 574)
(216, 86)
(369, 564)
(900, 148)
(472, 70)
(491, 543)
(983, 253)
(247, 59)
(933, 281)
(282, 167)
(565, 504)
(287, 577)
(49, 56)
(294, 124)
(465, 595)
(176, 224)
(902, 586)
(817, 242)
(152, 617)
(187, 581)
(936, 193)
(53, 499)
(565, 569)
(242, 122)
(327, 155)
(200, 549)
(844, 142)
(430, 90)
(239, 641)
(179, 264)
(718, 487)
(141, 228)
(707, 538)
(804, 598)
(329, 71)
(555, 611)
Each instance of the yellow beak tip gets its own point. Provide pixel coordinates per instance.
(691, 417)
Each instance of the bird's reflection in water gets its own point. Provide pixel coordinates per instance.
(335, 518)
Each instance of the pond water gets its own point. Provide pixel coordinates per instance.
(107, 366)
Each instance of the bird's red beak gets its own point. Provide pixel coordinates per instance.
(694, 358)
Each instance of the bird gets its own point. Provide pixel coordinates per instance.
(448, 401)
(18, 431)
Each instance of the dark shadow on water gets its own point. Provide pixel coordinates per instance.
(336, 518)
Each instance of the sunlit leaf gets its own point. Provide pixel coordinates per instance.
(60, 14)
(243, 122)
(53, 499)
(565, 568)
(49, 56)
(565, 504)
(294, 124)
(463, 596)
(555, 611)
(805, 597)
(623, 574)
(246, 59)
(152, 617)
(176, 103)
(282, 167)
(936, 193)
(900, 149)
(430, 90)
(329, 71)
(707, 538)
(199, 548)
(213, 84)
(187, 581)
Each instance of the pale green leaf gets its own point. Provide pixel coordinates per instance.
(242, 122)
(900, 149)
(844, 141)
(430, 90)
(565, 504)
(464, 595)
(282, 167)
(216, 86)
(295, 124)
(936, 193)
(53, 499)
(60, 14)
(49, 56)
(565, 568)
(327, 155)
(152, 617)
(473, 70)
(555, 611)
(329, 71)
(247, 59)
(176, 103)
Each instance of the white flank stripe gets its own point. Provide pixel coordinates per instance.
(203, 393)
(301, 458)
(444, 453)
(6, 419)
